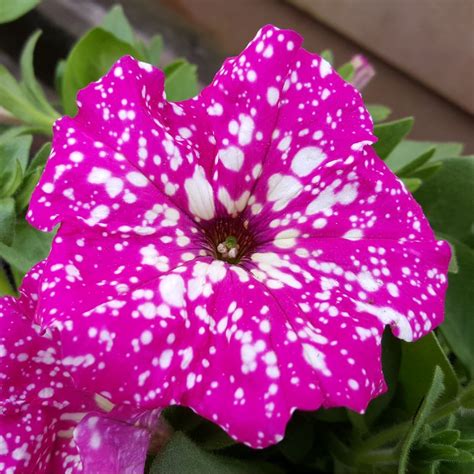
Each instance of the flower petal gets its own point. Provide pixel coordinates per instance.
(353, 198)
(112, 445)
(398, 283)
(81, 260)
(241, 109)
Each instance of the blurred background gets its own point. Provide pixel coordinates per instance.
(422, 50)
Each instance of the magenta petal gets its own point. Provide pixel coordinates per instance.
(239, 252)
(112, 445)
(74, 265)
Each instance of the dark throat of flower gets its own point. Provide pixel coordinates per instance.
(229, 239)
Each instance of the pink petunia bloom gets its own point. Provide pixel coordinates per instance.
(46, 424)
(364, 72)
(239, 252)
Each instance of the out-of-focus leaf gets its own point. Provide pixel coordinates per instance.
(154, 50)
(409, 150)
(181, 455)
(18, 149)
(445, 437)
(406, 170)
(299, 438)
(447, 199)
(379, 113)
(412, 184)
(6, 287)
(210, 437)
(181, 80)
(7, 220)
(433, 393)
(436, 452)
(467, 400)
(117, 23)
(23, 194)
(428, 170)
(346, 71)
(328, 55)
(14, 99)
(390, 134)
(10, 179)
(13, 162)
(458, 327)
(12, 132)
(419, 360)
(59, 76)
(28, 248)
(92, 56)
(12, 9)
(29, 83)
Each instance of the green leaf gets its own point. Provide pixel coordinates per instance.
(29, 83)
(59, 76)
(7, 220)
(24, 193)
(16, 150)
(406, 170)
(28, 248)
(14, 99)
(465, 444)
(180, 455)
(11, 179)
(92, 56)
(6, 287)
(328, 55)
(390, 134)
(41, 157)
(378, 112)
(467, 398)
(346, 71)
(408, 150)
(419, 360)
(13, 161)
(210, 436)
(12, 9)
(154, 50)
(447, 199)
(412, 184)
(181, 80)
(458, 327)
(116, 22)
(435, 452)
(299, 438)
(445, 437)
(433, 393)
(427, 171)
(13, 132)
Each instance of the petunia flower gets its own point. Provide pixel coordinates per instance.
(47, 425)
(239, 252)
(364, 72)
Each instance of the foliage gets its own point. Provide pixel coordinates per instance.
(424, 423)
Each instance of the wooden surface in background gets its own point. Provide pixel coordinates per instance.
(430, 40)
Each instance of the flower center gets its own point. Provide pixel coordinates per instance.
(229, 239)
